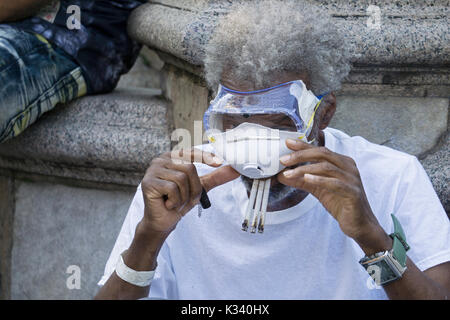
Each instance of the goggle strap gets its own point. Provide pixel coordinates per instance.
(263, 90)
(313, 114)
(256, 91)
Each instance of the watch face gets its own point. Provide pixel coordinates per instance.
(382, 270)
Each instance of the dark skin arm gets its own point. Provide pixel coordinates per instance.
(335, 181)
(170, 190)
(19, 9)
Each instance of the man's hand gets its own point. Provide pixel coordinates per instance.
(171, 186)
(335, 181)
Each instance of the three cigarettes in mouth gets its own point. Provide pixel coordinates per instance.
(257, 206)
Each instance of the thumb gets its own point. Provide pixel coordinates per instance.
(218, 177)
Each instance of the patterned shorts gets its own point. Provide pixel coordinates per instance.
(34, 78)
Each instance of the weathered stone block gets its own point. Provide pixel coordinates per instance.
(141, 76)
(57, 226)
(109, 138)
(6, 236)
(189, 97)
(437, 165)
(412, 125)
(411, 32)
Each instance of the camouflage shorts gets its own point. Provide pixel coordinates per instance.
(34, 78)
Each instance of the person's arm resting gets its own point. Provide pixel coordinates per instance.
(19, 9)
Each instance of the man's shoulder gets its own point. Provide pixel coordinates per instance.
(378, 164)
(366, 152)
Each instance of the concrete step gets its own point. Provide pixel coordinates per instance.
(105, 138)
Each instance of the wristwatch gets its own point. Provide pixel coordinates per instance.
(390, 265)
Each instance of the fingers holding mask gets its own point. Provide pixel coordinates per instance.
(304, 152)
(313, 183)
(218, 177)
(323, 168)
(317, 168)
(177, 167)
(183, 156)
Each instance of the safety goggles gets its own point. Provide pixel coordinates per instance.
(290, 99)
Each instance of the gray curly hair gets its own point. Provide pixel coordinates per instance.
(257, 39)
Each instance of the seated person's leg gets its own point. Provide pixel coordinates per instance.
(34, 78)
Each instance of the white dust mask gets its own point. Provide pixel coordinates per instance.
(252, 149)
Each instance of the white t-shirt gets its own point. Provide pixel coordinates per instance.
(302, 253)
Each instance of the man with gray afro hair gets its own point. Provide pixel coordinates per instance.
(260, 38)
(315, 204)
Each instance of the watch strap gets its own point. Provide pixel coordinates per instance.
(390, 265)
(399, 246)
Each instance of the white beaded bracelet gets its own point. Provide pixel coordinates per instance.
(137, 278)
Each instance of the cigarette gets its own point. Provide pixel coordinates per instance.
(250, 205)
(257, 205)
(264, 205)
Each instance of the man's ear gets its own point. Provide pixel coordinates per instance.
(327, 110)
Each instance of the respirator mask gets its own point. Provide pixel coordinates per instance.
(254, 149)
(249, 131)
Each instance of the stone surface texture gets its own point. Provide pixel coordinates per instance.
(410, 32)
(412, 125)
(57, 226)
(6, 236)
(142, 75)
(437, 165)
(94, 136)
(189, 97)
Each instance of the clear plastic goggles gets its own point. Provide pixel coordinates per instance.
(290, 99)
